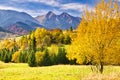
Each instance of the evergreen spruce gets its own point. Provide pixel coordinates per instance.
(32, 50)
(31, 59)
(46, 59)
(61, 57)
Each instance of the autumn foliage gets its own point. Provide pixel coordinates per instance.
(36, 48)
(98, 36)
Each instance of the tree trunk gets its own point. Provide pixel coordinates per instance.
(101, 67)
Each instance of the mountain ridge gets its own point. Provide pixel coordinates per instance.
(62, 21)
(10, 18)
(21, 23)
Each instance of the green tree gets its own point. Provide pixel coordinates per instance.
(67, 39)
(31, 59)
(6, 56)
(61, 56)
(23, 57)
(71, 29)
(46, 61)
(32, 51)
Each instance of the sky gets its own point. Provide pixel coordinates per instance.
(41, 7)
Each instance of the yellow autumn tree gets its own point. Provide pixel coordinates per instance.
(15, 56)
(23, 42)
(39, 57)
(39, 34)
(8, 44)
(98, 36)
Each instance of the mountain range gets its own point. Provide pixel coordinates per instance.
(21, 23)
(62, 21)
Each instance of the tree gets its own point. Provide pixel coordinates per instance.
(46, 61)
(33, 44)
(32, 51)
(23, 42)
(15, 56)
(67, 39)
(71, 29)
(23, 57)
(46, 40)
(31, 59)
(57, 36)
(7, 56)
(39, 57)
(98, 36)
(39, 35)
(61, 56)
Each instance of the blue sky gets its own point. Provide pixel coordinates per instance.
(40, 7)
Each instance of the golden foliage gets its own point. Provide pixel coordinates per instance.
(8, 44)
(98, 34)
(53, 49)
(39, 56)
(15, 56)
(39, 34)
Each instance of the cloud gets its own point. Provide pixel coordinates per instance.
(31, 12)
(76, 6)
(10, 8)
(46, 2)
(34, 8)
(67, 6)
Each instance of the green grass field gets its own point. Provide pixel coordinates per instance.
(21, 71)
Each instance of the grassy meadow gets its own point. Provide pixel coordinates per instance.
(21, 71)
